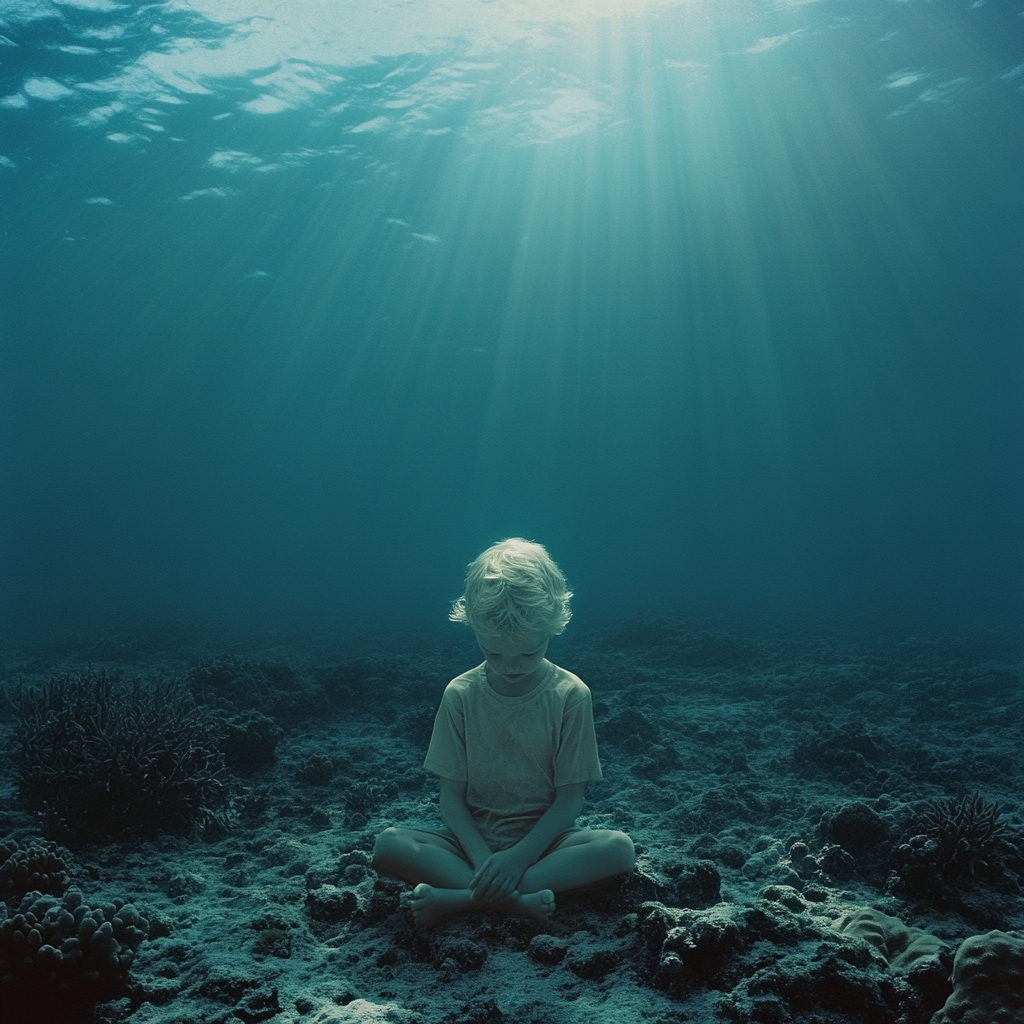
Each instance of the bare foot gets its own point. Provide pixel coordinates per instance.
(534, 906)
(430, 905)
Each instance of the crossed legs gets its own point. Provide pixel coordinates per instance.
(441, 875)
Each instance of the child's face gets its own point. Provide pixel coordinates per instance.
(514, 660)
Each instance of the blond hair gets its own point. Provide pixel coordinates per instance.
(514, 589)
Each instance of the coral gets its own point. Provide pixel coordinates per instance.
(723, 805)
(454, 954)
(657, 760)
(361, 1011)
(692, 885)
(763, 861)
(331, 903)
(922, 958)
(60, 953)
(318, 770)
(850, 754)
(835, 862)
(367, 900)
(250, 802)
(855, 827)
(674, 881)
(902, 947)
(250, 741)
(785, 895)
(822, 988)
(775, 963)
(801, 861)
(233, 686)
(988, 981)
(547, 949)
(38, 867)
(381, 688)
(273, 942)
(595, 960)
(691, 949)
(632, 730)
(954, 840)
(257, 1006)
(252, 1001)
(967, 830)
(362, 799)
(102, 759)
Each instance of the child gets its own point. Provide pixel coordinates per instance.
(514, 747)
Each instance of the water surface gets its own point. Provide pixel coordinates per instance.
(305, 304)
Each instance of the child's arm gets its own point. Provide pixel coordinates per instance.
(455, 814)
(498, 878)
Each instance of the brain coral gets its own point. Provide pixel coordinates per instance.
(903, 947)
(922, 958)
(988, 981)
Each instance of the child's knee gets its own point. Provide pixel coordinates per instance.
(386, 845)
(621, 850)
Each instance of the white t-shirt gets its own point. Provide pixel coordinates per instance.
(513, 751)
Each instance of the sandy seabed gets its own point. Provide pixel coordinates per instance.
(722, 754)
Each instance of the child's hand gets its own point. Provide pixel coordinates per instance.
(499, 876)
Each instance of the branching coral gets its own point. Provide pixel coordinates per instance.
(103, 759)
(954, 840)
(967, 831)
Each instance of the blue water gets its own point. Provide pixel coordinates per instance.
(305, 304)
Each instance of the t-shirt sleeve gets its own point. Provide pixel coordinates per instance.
(577, 759)
(446, 755)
